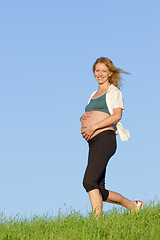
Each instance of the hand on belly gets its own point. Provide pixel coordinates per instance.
(88, 129)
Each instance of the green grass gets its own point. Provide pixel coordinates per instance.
(115, 224)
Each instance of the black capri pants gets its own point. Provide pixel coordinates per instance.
(101, 148)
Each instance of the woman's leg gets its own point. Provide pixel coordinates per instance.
(117, 198)
(96, 201)
(113, 197)
(101, 148)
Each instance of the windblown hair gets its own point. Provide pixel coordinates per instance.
(115, 78)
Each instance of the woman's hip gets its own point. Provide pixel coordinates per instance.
(102, 130)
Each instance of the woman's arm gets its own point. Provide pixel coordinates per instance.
(87, 130)
(116, 116)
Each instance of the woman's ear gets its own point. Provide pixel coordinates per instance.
(110, 74)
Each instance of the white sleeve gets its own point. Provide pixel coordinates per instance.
(117, 99)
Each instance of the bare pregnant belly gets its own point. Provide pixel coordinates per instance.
(96, 116)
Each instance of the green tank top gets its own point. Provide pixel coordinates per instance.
(98, 104)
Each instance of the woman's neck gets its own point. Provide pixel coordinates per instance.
(104, 87)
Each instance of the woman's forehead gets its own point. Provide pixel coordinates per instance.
(101, 65)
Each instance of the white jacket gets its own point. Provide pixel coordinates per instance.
(114, 99)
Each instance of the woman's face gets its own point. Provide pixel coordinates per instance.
(101, 73)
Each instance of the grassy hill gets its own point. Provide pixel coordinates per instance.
(115, 224)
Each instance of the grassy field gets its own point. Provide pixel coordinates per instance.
(115, 224)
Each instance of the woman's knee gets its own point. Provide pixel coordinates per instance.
(89, 184)
(85, 183)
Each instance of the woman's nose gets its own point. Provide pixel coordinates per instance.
(100, 73)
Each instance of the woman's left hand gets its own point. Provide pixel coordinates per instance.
(87, 130)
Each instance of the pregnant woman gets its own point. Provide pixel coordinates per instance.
(100, 123)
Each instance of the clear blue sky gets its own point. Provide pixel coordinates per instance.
(47, 49)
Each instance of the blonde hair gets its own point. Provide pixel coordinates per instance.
(115, 78)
